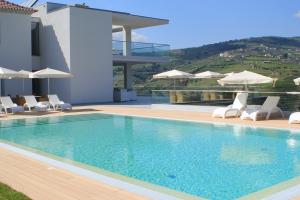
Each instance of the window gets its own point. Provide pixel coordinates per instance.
(35, 39)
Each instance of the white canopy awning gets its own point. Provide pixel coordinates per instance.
(173, 74)
(51, 73)
(245, 78)
(209, 74)
(228, 74)
(24, 74)
(7, 73)
(297, 81)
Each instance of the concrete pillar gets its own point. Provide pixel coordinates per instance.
(128, 76)
(127, 41)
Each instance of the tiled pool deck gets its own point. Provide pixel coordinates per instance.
(41, 180)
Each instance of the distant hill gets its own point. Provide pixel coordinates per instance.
(272, 56)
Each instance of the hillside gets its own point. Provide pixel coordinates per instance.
(272, 56)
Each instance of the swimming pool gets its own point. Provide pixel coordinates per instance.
(206, 160)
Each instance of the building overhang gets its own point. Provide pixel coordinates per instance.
(136, 21)
(119, 19)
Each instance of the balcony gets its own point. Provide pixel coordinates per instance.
(138, 52)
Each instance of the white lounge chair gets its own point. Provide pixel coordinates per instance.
(294, 118)
(32, 103)
(269, 107)
(233, 110)
(7, 104)
(58, 104)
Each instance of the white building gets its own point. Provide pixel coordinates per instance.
(75, 39)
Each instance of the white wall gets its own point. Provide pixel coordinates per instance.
(55, 48)
(79, 40)
(91, 56)
(15, 48)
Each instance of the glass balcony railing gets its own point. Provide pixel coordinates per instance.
(141, 49)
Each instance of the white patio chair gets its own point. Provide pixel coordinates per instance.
(32, 103)
(269, 107)
(294, 118)
(58, 104)
(233, 110)
(7, 104)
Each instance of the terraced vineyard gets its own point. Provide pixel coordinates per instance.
(272, 56)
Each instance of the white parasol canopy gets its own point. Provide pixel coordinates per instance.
(297, 81)
(50, 73)
(24, 74)
(173, 74)
(6, 74)
(209, 74)
(228, 74)
(245, 78)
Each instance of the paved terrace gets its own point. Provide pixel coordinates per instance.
(40, 180)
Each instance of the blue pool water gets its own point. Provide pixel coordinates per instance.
(201, 159)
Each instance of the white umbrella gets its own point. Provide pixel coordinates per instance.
(24, 74)
(297, 81)
(50, 73)
(245, 78)
(173, 74)
(228, 74)
(209, 74)
(6, 74)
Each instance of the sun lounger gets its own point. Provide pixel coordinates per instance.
(294, 118)
(58, 104)
(32, 103)
(7, 104)
(233, 110)
(269, 107)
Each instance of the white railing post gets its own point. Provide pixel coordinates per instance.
(127, 41)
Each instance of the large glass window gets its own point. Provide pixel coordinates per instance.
(35, 39)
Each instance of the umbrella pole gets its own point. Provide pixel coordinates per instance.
(23, 88)
(48, 86)
(246, 87)
(174, 84)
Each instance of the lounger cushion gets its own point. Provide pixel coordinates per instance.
(41, 107)
(17, 109)
(65, 106)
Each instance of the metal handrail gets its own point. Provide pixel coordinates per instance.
(140, 42)
(231, 91)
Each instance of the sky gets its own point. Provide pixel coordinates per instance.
(197, 22)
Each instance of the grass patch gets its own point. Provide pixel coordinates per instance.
(7, 193)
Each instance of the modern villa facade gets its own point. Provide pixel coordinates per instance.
(75, 39)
